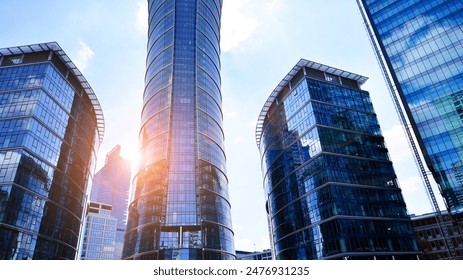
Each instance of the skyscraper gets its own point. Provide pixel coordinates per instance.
(180, 207)
(330, 187)
(111, 186)
(421, 44)
(51, 126)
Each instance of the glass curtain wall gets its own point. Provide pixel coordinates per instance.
(51, 126)
(422, 43)
(180, 207)
(331, 189)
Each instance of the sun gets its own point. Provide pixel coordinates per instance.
(131, 154)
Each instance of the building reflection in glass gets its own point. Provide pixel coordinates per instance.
(421, 42)
(180, 206)
(331, 189)
(51, 126)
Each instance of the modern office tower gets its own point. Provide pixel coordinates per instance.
(430, 239)
(180, 207)
(330, 186)
(111, 186)
(99, 238)
(51, 126)
(421, 45)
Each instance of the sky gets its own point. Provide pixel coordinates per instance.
(261, 40)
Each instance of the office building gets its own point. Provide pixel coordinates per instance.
(99, 238)
(330, 186)
(180, 207)
(265, 255)
(111, 186)
(51, 126)
(421, 45)
(431, 241)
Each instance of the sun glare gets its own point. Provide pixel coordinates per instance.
(131, 153)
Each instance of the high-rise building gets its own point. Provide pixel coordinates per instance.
(99, 234)
(51, 126)
(420, 43)
(111, 186)
(330, 186)
(430, 239)
(180, 207)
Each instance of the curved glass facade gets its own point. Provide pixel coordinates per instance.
(422, 43)
(331, 189)
(180, 207)
(51, 126)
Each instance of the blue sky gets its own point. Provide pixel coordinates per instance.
(261, 41)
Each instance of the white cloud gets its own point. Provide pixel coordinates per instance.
(241, 19)
(273, 5)
(397, 144)
(142, 17)
(236, 26)
(84, 54)
(231, 115)
(411, 184)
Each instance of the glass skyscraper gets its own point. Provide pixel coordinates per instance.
(330, 186)
(51, 126)
(180, 207)
(421, 42)
(111, 186)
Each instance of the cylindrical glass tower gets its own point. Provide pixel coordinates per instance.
(180, 207)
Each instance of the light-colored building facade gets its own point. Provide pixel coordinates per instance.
(265, 255)
(99, 235)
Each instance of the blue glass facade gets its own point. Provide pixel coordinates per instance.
(51, 126)
(331, 189)
(180, 207)
(422, 44)
(111, 186)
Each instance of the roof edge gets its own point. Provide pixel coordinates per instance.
(56, 48)
(302, 63)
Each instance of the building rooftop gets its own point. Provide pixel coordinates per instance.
(55, 47)
(302, 63)
(427, 215)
